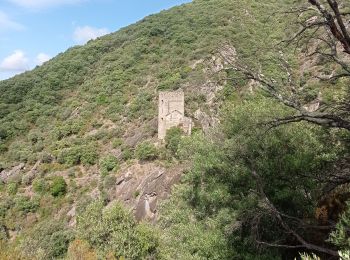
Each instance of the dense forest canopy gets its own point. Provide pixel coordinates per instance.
(265, 174)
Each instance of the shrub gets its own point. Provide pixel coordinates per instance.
(117, 142)
(3, 235)
(88, 155)
(136, 193)
(85, 154)
(79, 249)
(109, 181)
(39, 185)
(5, 205)
(58, 186)
(173, 139)
(340, 236)
(127, 154)
(25, 205)
(114, 224)
(69, 156)
(46, 158)
(47, 240)
(108, 164)
(12, 188)
(146, 151)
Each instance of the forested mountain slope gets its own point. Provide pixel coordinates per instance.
(79, 133)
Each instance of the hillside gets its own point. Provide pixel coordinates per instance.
(83, 128)
(116, 78)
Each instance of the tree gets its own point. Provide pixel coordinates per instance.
(113, 231)
(322, 32)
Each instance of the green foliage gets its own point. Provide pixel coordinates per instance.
(309, 257)
(5, 205)
(25, 205)
(146, 151)
(185, 237)
(47, 240)
(79, 249)
(218, 191)
(142, 107)
(340, 237)
(89, 155)
(12, 188)
(114, 77)
(136, 193)
(58, 186)
(40, 185)
(114, 224)
(77, 105)
(108, 164)
(109, 181)
(68, 129)
(117, 142)
(85, 154)
(69, 156)
(127, 154)
(173, 138)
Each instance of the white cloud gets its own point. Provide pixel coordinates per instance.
(7, 24)
(7, 75)
(83, 34)
(41, 58)
(16, 62)
(39, 4)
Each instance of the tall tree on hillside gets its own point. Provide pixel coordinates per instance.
(323, 39)
(324, 34)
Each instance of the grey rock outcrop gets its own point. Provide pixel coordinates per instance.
(141, 186)
(13, 174)
(205, 120)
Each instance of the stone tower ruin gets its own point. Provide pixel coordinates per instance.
(172, 113)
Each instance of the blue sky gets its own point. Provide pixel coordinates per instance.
(33, 31)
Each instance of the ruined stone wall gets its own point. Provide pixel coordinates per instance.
(171, 111)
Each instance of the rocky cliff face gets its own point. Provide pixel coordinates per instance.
(143, 185)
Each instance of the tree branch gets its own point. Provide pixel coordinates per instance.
(285, 226)
(326, 120)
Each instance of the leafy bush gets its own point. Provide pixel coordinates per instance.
(5, 205)
(114, 224)
(127, 154)
(109, 182)
(85, 154)
(108, 164)
(46, 158)
(89, 155)
(12, 188)
(47, 240)
(173, 139)
(25, 205)
(69, 156)
(79, 249)
(146, 151)
(117, 142)
(39, 185)
(340, 236)
(58, 186)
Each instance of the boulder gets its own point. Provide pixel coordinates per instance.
(13, 174)
(141, 186)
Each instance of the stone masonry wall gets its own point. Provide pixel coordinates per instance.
(171, 111)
